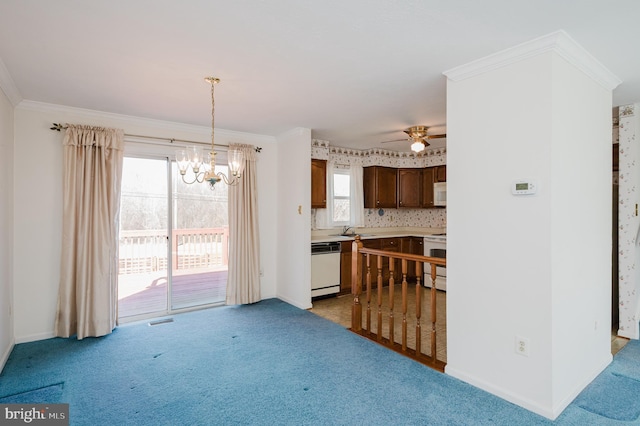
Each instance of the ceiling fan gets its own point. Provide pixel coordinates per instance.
(419, 137)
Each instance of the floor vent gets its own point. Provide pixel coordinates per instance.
(162, 321)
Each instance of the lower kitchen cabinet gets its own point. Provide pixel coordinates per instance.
(345, 267)
(402, 245)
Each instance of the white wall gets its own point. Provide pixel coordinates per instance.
(6, 228)
(38, 203)
(536, 266)
(294, 217)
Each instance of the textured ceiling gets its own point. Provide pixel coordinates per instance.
(356, 72)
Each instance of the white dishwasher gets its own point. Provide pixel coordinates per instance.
(325, 268)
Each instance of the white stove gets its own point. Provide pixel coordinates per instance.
(435, 245)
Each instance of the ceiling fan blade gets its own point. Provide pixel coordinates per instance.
(395, 140)
(444, 135)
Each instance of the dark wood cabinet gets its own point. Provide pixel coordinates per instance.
(412, 245)
(380, 187)
(441, 173)
(428, 179)
(410, 188)
(345, 266)
(318, 184)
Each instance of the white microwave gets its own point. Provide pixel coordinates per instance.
(440, 194)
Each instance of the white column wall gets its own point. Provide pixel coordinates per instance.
(535, 266)
(38, 203)
(294, 217)
(6, 228)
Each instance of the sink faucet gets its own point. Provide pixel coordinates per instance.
(345, 230)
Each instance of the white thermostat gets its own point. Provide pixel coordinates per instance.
(524, 187)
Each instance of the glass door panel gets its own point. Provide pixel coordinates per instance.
(143, 253)
(199, 242)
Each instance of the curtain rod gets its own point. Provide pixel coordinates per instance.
(59, 127)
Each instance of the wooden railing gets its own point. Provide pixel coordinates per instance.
(369, 262)
(143, 251)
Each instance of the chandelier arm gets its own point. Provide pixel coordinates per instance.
(197, 177)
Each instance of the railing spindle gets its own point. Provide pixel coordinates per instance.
(380, 283)
(391, 290)
(418, 308)
(356, 284)
(404, 304)
(369, 294)
(433, 310)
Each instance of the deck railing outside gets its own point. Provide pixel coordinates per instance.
(382, 314)
(146, 250)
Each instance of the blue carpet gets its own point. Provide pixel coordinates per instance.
(268, 363)
(44, 395)
(622, 404)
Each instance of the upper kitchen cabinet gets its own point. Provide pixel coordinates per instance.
(428, 179)
(380, 187)
(441, 173)
(410, 188)
(318, 184)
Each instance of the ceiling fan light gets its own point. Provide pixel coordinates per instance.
(417, 146)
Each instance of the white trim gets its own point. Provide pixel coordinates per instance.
(8, 86)
(5, 356)
(559, 42)
(251, 138)
(35, 337)
(548, 412)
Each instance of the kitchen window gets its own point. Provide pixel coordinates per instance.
(341, 186)
(345, 197)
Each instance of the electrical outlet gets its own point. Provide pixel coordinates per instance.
(522, 346)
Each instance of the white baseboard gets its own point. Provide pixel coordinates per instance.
(549, 412)
(35, 337)
(295, 303)
(5, 355)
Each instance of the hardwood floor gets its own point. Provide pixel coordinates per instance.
(338, 310)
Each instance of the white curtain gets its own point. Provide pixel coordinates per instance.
(243, 285)
(357, 195)
(324, 217)
(87, 297)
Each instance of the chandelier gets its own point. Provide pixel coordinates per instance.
(193, 158)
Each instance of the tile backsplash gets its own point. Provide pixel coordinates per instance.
(386, 218)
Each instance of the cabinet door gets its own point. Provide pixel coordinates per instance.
(345, 267)
(441, 173)
(428, 179)
(318, 184)
(386, 187)
(380, 187)
(390, 244)
(410, 188)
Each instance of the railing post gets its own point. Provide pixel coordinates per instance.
(418, 308)
(404, 303)
(356, 284)
(434, 293)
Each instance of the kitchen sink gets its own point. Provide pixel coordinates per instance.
(350, 235)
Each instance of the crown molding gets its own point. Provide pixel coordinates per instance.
(559, 42)
(129, 120)
(8, 86)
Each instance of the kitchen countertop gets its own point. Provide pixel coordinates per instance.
(370, 233)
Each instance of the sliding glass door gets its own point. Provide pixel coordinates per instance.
(173, 241)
